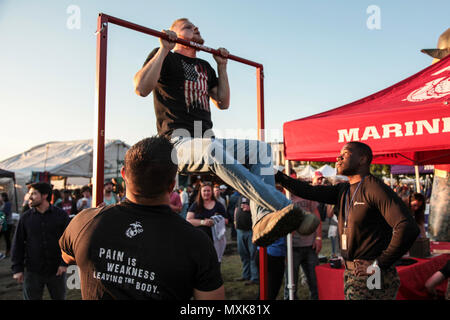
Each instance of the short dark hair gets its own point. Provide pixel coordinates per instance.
(43, 188)
(85, 188)
(5, 197)
(419, 214)
(363, 149)
(149, 166)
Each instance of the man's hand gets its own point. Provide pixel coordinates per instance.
(317, 245)
(61, 271)
(361, 267)
(18, 277)
(168, 44)
(219, 59)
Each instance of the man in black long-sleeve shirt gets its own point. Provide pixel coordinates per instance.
(375, 227)
(36, 248)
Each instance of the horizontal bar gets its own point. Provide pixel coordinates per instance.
(162, 35)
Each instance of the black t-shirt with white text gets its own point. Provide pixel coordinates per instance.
(131, 251)
(181, 95)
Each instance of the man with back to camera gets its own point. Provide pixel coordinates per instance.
(36, 255)
(375, 227)
(140, 248)
(182, 85)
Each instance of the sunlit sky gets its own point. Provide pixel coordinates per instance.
(317, 55)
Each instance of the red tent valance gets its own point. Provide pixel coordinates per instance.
(407, 123)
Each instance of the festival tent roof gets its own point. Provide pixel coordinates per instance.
(407, 123)
(327, 171)
(306, 173)
(6, 174)
(398, 169)
(66, 158)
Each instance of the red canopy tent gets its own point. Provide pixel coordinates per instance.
(407, 123)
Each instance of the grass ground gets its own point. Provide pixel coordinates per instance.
(231, 269)
(237, 290)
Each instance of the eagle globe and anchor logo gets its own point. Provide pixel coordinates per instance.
(134, 229)
(434, 89)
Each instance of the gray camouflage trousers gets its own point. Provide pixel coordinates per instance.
(371, 288)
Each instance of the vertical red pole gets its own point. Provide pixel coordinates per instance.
(263, 291)
(260, 101)
(99, 141)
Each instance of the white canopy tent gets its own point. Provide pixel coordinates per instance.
(327, 171)
(306, 172)
(63, 158)
(330, 173)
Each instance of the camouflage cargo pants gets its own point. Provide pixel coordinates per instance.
(357, 288)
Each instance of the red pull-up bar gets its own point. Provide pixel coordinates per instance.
(159, 34)
(99, 143)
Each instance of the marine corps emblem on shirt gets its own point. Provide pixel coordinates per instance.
(134, 229)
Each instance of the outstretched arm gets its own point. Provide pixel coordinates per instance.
(325, 194)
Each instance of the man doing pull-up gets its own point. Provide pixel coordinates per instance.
(182, 86)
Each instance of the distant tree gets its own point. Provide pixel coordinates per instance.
(380, 170)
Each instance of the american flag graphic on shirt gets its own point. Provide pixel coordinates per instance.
(195, 86)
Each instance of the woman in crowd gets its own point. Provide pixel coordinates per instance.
(203, 208)
(417, 207)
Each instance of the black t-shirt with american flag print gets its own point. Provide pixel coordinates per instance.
(182, 93)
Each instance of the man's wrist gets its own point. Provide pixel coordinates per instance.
(222, 67)
(318, 238)
(163, 51)
(202, 222)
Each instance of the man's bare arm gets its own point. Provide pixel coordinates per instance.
(220, 95)
(218, 294)
(145, 80)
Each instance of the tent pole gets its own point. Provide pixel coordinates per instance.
(416, 167)
(15, 194)
(290, 260)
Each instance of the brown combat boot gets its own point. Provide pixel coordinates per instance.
(279, 223)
